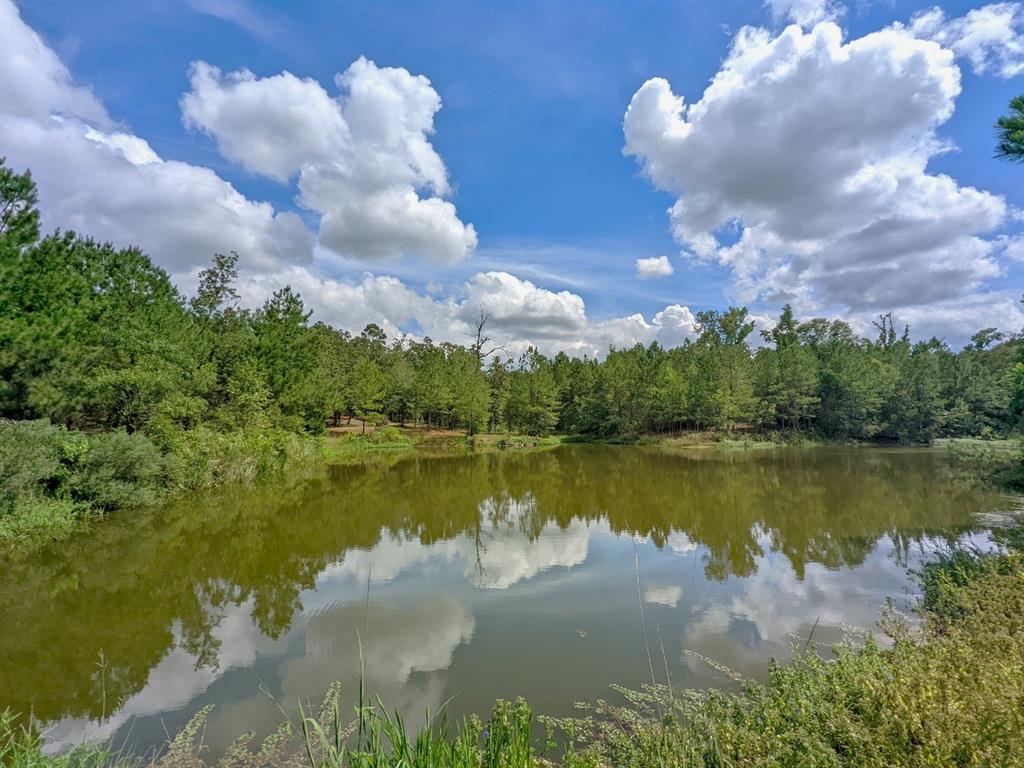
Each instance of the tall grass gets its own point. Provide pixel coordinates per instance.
(204, 457)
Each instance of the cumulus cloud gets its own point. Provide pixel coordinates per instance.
(175, 681)
(380, 299)
(828, 202)
(519, 308)
(36, 82)
(509, 557)
(806, 13)
(991, 38)
(524, 314)
(362, 158)
(669, 596)
(658, 266)
(520, 313)
(109, 183)
(1012, 247)
(363, 161)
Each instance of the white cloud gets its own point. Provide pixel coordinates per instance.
(133, 149)
(36, 83)
(173, 682)
(503, 556)
(270, 126)
(380, 299)
(954, 320)
(991, 38)
(806, 13)
(273, 30)
(669, 596)
(519, 308)
(1012, 247)
(110, 184)
(827, 203)
(521, 314)
(657, 266)
(362, 158)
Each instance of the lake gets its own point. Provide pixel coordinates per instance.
(548, 575)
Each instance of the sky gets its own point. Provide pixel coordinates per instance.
(586, 174)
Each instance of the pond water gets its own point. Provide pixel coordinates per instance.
(468, 578)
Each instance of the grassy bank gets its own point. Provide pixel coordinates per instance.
(356, 446)
(949, 692)
(53, 479)
(993, 462)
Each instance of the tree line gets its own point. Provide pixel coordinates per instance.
(98, 338)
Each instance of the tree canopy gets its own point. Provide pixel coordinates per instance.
(96, 337)
(1010, 132)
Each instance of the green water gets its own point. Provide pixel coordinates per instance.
(471, 577)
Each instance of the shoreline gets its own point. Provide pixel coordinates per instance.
(990, 461)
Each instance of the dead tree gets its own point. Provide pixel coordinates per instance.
(481, 340)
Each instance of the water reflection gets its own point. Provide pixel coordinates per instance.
(494, 575)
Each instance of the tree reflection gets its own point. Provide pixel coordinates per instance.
(142, 584)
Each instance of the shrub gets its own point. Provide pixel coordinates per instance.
(205, 457)
(386, 435)
(34, 458)
(51, 477)
(117, 470)
(54, 517)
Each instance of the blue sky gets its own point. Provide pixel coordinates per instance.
(531, 134)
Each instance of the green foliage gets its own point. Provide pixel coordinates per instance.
(531, 405)
(205, 457)
(89, 335)
(34, 459)
(97, 339)
(386, 436)
(50, 476)
(30, 517)
(117, 470)
(19, 218)
(1010, 132)
(94, 337)
(357, 446)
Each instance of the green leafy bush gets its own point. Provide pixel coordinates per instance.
(50, 476)
(117, 470)
(54, 517)
(385, 436)
(34, 459)
(205, 457)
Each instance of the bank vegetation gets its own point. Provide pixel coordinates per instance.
(116, 390)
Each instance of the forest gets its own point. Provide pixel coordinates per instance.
(95, 337)
(115, 387)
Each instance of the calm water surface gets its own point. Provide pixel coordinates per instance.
(476, 577)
